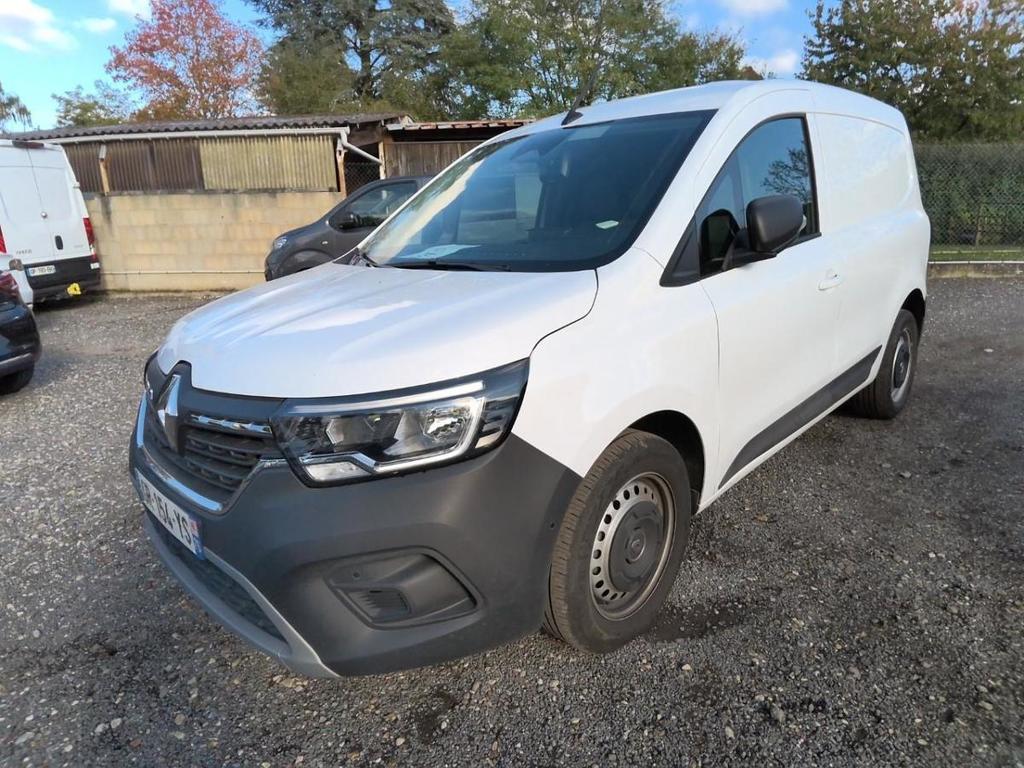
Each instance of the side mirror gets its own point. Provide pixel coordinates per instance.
(773, 222)
(346, 220)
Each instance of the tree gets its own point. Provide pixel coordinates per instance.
(105, 107)
(297, 79)
(188, 61)
(533, 57)
(12, 109)
(356, 50)
(955, 68)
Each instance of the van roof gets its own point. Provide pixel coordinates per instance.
(728, 93)
(25, 144)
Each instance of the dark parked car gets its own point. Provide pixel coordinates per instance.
(342, 228)
(19, 338)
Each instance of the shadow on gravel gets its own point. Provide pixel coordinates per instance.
(694, 622)
(63, 304)
(428, 719)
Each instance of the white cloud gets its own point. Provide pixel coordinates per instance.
(782, 63)
(753, 7)
(97, 26)
(130, 7)
(28, 26)
(15, 42)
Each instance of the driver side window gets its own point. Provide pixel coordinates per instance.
(774, 159)
(375, 205)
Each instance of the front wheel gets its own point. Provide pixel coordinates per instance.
(620, 545)
(888, 394)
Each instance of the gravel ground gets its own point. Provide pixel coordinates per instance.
(857, 600)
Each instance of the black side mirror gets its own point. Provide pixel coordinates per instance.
(773, 222)
(347, 220)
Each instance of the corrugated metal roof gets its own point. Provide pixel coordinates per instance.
(224, 124)
(460, 125)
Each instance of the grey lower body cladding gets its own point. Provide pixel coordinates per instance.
(848, 382)
(381, 575)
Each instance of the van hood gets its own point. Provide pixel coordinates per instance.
(343, 330)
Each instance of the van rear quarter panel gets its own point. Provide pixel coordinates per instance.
(872, 218)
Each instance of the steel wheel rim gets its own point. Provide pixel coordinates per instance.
(631, 546)
(902, 361)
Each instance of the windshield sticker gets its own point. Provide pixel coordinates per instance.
(437, 252)
(606, 224)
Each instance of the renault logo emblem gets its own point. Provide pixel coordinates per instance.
(167, 411)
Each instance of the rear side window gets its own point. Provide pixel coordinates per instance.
(774, 159)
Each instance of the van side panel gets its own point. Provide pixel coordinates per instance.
(871, 215)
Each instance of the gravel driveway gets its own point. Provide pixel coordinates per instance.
(857, 600)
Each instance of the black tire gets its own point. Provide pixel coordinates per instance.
(572, 613)
(13, 382)
(888, 394)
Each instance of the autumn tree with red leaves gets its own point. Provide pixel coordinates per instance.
(188, 61)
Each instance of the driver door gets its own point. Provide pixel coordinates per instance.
(776, 318)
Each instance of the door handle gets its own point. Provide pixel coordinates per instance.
(832, 280)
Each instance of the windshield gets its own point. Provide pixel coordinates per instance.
(568, 198)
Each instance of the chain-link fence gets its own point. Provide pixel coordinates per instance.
(357, 174)
(974, 195)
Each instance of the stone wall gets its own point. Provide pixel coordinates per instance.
(194, 241)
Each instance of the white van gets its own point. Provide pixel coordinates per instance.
(43, 219)
(505, 411)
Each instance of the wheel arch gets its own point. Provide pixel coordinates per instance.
(679, 430)
(915, 304)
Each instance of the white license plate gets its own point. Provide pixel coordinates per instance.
(48, 269)
(180, 523)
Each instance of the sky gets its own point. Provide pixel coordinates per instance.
(51, 46)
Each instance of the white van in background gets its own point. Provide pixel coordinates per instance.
(43, 220)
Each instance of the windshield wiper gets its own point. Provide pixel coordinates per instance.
(468, 266)
(360, 255)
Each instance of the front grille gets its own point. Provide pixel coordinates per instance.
(219, 457)
(229, 591)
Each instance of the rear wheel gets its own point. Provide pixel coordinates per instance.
(620, 545)
(15, 381)
(888, 394)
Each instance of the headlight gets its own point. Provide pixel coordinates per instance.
(279, 243)
(337, 441)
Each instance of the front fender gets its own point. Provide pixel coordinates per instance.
(300, 261)
(642, 349)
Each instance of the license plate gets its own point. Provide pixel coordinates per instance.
(47, 269)
(180, 523)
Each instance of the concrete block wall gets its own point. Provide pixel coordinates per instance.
(194, 241)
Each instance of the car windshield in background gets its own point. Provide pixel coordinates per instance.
(572, 197)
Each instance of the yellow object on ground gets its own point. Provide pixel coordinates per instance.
(74, 290)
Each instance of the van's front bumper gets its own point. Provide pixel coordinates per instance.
(380, 575)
